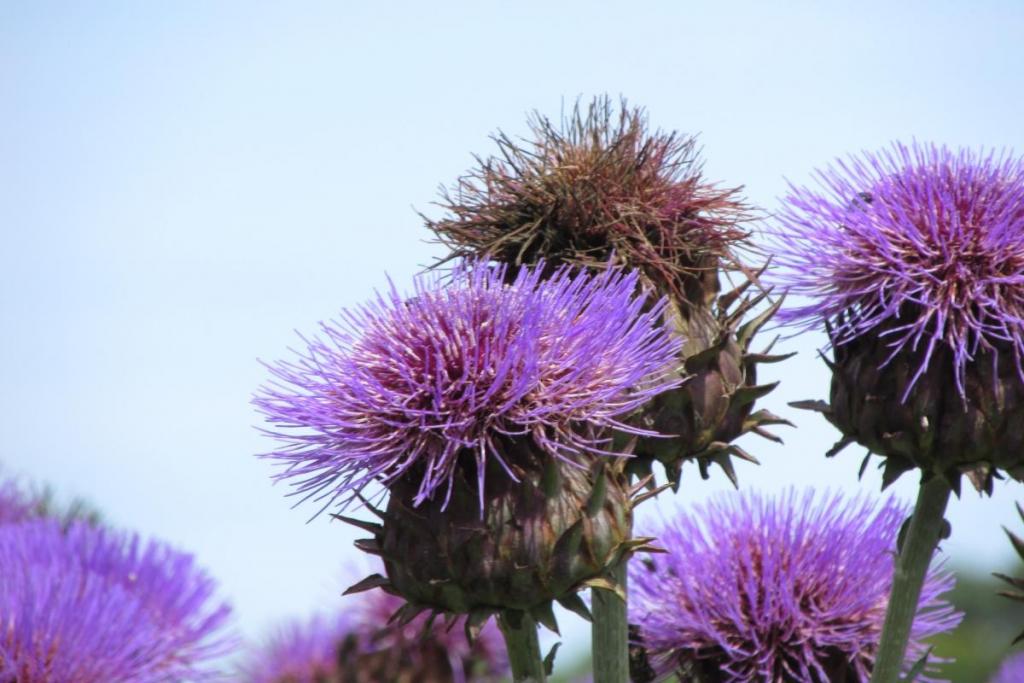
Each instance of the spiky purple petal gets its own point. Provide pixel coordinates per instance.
(415, 385)
(90, 605)
(921, 240)
(776, 589)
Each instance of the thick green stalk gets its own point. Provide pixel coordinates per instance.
(610, 633)
(523, 649)
(919, 543)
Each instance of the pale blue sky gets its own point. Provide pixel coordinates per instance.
(184, 184)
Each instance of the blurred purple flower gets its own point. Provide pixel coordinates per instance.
(756, 590)
(921, 245)
(15, 506)
(417, 386)
(358, 645)
(84, 604)
(423, 641)
(302, 652)
(1012, 670)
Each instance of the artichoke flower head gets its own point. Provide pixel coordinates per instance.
(489, 406)
(913, 260)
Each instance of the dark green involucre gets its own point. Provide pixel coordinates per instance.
(934, 428)
(557, 530)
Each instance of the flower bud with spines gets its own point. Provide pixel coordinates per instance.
(541, 539)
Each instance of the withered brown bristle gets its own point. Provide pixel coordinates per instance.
(599, 183)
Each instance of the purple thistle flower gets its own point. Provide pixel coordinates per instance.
(89, 605)
(759, 590)
(15, 506)
(1012, 670)
(920, 245)
(359, 644)
(422, 640)
(416, 386)
(302, 652)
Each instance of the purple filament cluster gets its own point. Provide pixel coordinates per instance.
(413, 386)
(920, 244)
(765, 590)
(89, 605)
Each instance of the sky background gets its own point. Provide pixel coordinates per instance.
(183, 185)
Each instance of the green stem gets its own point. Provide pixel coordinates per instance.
(523, 648)
(919, 543)
(610, 634)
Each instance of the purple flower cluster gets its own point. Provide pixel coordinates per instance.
(89, 605)
(302, 652)
(360, 640)
(921, 244)
(409, 386)
(762, 590)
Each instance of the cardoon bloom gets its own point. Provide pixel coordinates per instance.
(1011, 671)
(758, 590)
(601, 187)
(304, 652)
(914, 259)
(89, 605)
(488, 405)
(359, 645)
(410, 389)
